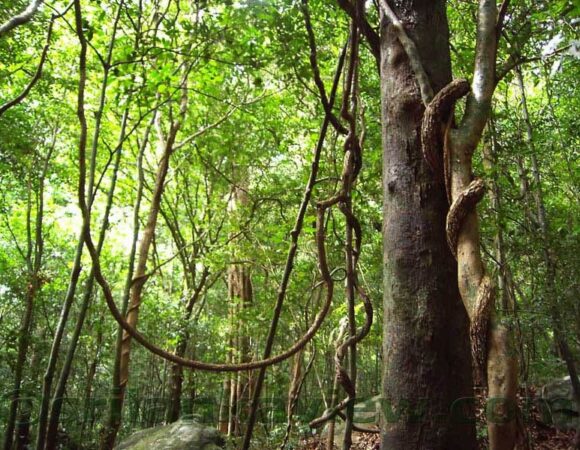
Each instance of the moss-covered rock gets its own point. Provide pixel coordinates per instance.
(181, 435)
(557, 405)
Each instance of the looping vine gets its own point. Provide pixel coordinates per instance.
(465, 202)
(436, 121)
(479, 327)
(106, 288)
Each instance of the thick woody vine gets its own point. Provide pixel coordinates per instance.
(343, 200)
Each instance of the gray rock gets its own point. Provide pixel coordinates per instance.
(181, 435)
(557, 406)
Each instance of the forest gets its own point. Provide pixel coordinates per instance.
(289, 224)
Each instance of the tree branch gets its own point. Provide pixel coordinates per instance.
(516, 60)
(21, 18)
(483, 85)
(6, 106)
(501, 18)
(215, 124)
(43, 57)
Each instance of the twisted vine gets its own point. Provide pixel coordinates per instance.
(343, 198)
(437, 122)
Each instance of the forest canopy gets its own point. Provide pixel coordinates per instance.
(259, 214)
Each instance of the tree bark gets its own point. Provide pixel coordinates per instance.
(491, 338)
(427, 363)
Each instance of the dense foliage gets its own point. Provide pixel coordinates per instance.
(237, 76)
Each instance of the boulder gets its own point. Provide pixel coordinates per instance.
(557, 406)
(181, 435)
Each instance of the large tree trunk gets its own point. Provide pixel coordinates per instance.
(427, 366)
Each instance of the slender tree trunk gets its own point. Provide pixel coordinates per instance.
(25, 414)
(75, 272)
(55, 348)
(56, 407)
(427, 364)
(88, 415)
(115, 405)
(223, 421)
(113, 420)
(259, 382)
(331, 427)
(294, 381)
(33, 260)
(176, 376)
(294, 391)
(176, 386)
(240, 297)
(490, 163)
(140, 276)
(23, 343)
(196, 286)
(58, 398)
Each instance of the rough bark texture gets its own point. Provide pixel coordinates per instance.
(427, 367)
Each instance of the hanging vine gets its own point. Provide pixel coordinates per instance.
(352, 164)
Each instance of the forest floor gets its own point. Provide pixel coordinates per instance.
(540, 436)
